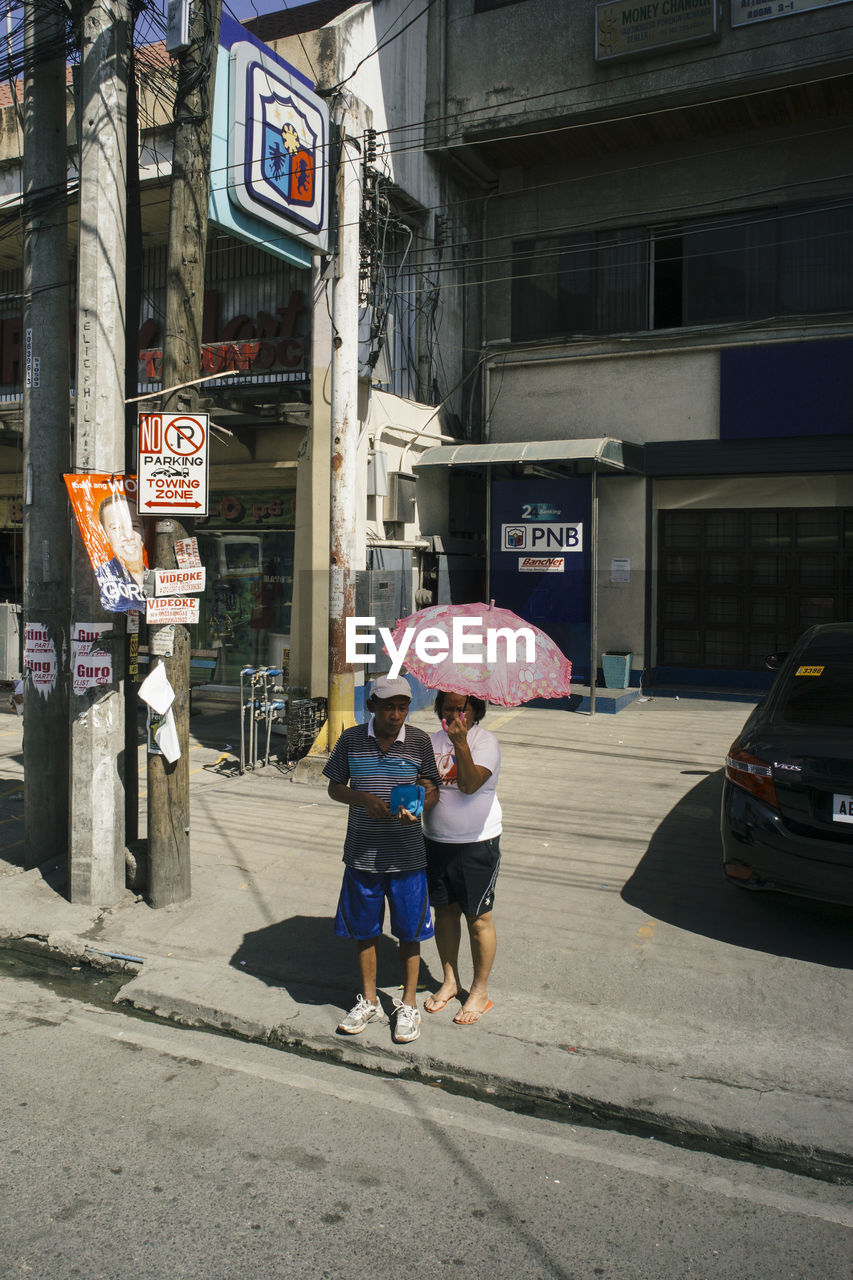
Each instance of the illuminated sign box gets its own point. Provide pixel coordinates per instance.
(626, 30)
(278, 146)
(231, 209)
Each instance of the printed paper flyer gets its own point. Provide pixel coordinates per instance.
(91, 665)
(40, 658)
(105, 509)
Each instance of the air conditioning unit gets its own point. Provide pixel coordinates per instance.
(10, 641)
(400, 499)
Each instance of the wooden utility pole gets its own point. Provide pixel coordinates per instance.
(47, 437)
(168, 784)
(97, 849)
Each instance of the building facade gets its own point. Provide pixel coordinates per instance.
(664, 260)
(268, 331)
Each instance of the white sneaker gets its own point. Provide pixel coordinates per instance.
(408, 1024)
(359, 1015)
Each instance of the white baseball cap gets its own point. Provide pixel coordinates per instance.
(391, 687)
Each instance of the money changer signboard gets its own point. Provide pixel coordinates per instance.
(625, 29)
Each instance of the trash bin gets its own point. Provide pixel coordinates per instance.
(617, 669)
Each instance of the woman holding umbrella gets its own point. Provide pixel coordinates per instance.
(509, 661)
(462, 837)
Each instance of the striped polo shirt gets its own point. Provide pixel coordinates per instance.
(357, 761)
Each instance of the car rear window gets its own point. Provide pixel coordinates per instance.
(819, 693)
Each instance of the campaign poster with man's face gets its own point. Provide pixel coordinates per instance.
(112, 530)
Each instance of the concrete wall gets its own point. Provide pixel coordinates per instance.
(651, 396)
(661, 185)
(434, 501)
(536, 61)
(391, 82)
(622, 605)
(739, 492)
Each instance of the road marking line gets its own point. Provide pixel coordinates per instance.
(393, 1095)
(504, 719)
(644, 935)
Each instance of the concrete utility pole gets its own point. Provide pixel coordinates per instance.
(341, 712)
(168, 784)
(133, 302)
(97, 850)
(47, 437)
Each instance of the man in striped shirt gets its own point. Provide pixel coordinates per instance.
(384, 853)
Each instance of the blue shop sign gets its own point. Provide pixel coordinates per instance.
(540, 558)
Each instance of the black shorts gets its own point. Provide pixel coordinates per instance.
(463, 873)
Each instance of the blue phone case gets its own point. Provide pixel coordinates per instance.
(408, 795)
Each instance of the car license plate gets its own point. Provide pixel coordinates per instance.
(842, 808)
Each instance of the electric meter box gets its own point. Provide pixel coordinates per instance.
(177, 25)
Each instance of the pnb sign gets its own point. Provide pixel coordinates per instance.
(278, 145)
(541, 536)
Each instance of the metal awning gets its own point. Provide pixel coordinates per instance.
(603, 453)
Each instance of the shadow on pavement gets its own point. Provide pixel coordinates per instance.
(53, 871)
(216, 729)
(680, 880)
(303, 956)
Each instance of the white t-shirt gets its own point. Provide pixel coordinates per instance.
(459, 818)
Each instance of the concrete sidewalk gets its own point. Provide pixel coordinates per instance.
(632, 983)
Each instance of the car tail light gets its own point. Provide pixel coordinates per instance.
(737, 871)
(752, 774)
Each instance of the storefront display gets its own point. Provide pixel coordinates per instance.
(246, 547)
(11, 548)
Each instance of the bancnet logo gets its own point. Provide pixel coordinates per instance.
(469, 641)
(541, 564)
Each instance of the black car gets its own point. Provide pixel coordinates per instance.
(787, 812)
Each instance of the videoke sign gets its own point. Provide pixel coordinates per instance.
(172, 464)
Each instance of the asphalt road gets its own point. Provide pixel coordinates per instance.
(135, 1150)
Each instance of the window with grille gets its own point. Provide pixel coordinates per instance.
(722, 270)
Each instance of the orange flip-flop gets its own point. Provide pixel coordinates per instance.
(470, 1022)
(437, 1008)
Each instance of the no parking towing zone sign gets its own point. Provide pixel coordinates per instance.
(172, 470)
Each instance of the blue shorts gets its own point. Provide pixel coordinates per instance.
(361, 906)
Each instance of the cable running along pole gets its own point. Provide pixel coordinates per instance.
(47, 438)
(168, 784)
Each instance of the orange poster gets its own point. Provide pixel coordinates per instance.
(112, 530)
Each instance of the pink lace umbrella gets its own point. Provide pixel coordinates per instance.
(535, 669)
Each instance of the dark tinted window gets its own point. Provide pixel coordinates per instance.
(819, 688)
(730, 269)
